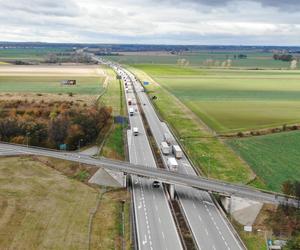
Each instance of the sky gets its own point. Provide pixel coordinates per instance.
(195, 22)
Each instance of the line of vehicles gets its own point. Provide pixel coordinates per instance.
(168, 146)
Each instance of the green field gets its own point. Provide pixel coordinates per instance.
(28, 54)
(50, 84)
(208, 153)
(204, 59)
(275, 158)
(233, 100)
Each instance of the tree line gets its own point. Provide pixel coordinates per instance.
(52, 124)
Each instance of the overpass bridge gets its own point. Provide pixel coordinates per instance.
(165, 176)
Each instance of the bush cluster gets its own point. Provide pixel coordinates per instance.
(49, 124)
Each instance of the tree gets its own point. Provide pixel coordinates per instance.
(75, 133)
(293, 243)
(297, 189)
(287, 187)
(57, 131)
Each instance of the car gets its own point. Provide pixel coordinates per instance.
(135, 131)
(156, 184)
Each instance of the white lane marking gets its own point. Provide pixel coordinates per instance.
(163, 234)
(145, 241)
(159, 220)
(199, 217)
(206, 231)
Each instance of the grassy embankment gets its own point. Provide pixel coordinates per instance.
(114, 97)
(208, 153)
(275, 158)
(46, 208)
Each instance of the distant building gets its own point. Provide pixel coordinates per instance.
(68, 82)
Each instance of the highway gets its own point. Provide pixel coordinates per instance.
(154, 222)
(209, 228)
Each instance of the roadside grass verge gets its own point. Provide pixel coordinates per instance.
(253, 240)
(113, 96)
(108, 235)
(275, 158)
(208, 153)
(114, 145)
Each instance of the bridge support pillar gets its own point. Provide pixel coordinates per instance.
(242, 210)
(226, 202)
(172, 191)
(125, 180)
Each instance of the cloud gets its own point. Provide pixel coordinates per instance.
(282, 5)
(151, 21)
(41, 7)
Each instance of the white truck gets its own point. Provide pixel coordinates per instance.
(131, 111)
(165, 148)
(168, 138)
(177, 151)
(172, 164)
(135, 131)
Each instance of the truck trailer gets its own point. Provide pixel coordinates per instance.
(168, 138)
(177, 151)
(172, 164)
(165, 148)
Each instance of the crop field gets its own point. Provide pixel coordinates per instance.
(234, 100)
(28, 54)
(275, 158)
(45, 79)
(204, 58)
(208, 153)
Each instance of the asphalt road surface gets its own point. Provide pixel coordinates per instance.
(210, 229)
(155, 225)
